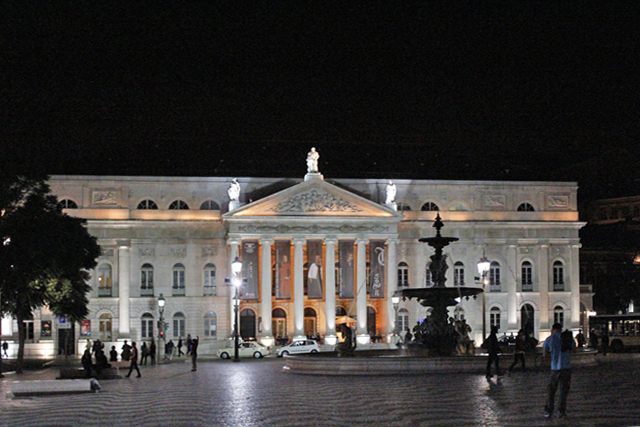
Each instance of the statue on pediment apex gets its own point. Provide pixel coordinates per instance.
(312, 161)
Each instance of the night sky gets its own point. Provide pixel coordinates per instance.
(426, 90)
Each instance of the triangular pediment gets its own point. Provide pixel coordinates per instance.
(314, 198)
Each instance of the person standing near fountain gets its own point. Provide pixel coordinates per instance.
(560, 345)
(493, 348)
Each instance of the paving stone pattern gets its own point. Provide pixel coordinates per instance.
(258, 393)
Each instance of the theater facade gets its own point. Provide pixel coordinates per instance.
(315, 252)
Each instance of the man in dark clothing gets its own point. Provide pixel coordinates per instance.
(134, 360)
(180, 352)
(194, 353)
(605, 342)
(493, 348)
(518, 353)
(86, 363)
(152, 352)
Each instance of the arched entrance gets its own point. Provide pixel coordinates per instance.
(310, 322)
(527, 317)
(279, 324)
(371, 322)
(247, 324)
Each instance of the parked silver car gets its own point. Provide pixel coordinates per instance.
(245, 349)
(298, 347)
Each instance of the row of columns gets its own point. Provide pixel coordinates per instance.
(330, 285)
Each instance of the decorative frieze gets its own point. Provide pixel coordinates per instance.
(313, 229)
(104, 197)
(315, 201)
(178, 252)
(557, 202)
(147, 252)
(495, 201)
(209, 251)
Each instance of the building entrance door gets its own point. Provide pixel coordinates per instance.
(247, 324)
(67, 339)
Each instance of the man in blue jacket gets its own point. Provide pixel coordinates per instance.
(559, 344)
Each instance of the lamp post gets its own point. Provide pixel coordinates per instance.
(236, 268)
(161, 328)
(483, 268)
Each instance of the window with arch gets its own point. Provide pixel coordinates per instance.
(526, 270)
(402, 320)
(494, 276)
(178, 205)
(146, 280)
(178, 325)
(494, 317)
(428, 276)
(147, 204)
(430, 206)
(458, 274)
(558, 276)
(146, 326)
(209, 205)
(310, 321)
(403, 275)
(211, 325)
(340, 311)
(178, 280)
(104, 327)
(210, 279)
(402, 206)
(525, 207)
(67, 204)
(558, 315)
(104, 280)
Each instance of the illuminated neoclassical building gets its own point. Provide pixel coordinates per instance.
(312, 251)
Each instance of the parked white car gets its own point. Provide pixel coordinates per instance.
(245, 349)
(298, 347)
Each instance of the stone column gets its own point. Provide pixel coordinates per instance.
(512, 283)
(124, 287)
(361, 290)
(392, 286)
(543, 276)
(298, 288)
(574, 282)
(330, 298)
(265, 308)
(234, 252)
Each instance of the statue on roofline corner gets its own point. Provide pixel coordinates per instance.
(234, 190)
(391, 193)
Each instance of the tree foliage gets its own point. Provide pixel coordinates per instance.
(45, 255)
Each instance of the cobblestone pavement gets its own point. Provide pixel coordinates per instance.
(258, 393)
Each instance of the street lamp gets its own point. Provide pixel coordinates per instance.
(236, 269)
(483, 268)
(161, 328)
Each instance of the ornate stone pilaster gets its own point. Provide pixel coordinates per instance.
(543, 276)
(124, 287)
(512, 304)
(361, 288)
(265, 308)
(574, 282)
(298, 288)
(392, 285)
(330, 301)
(234, 252)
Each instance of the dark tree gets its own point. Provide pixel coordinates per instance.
(45, 256)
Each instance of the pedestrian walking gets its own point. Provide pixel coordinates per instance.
(180, 352)
(559, 345)
(5, 347)
(194, 353)
(152, 352)
(580, 338)
(604, 339)
(168, 349)
(493, 348)
(133, 358)
(188, 344)
(593, 339)
(518, 353)
(144, 351)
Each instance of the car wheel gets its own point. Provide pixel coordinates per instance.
(257, 355)
(314, 351)
(224, 355)
(285, 353)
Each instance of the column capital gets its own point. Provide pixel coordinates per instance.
(266, 240)
(234, 241)
(362, 240)
(393, 241)
(298, 240)
(331, 240)
(124, 244)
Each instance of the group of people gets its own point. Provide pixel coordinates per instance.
(96, 350)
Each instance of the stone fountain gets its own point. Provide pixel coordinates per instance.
(436, 333)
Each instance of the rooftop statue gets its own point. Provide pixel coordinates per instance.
(234, 190)
(391, 193)
(312, 161)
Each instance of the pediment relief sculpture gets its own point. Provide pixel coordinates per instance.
(315, 201)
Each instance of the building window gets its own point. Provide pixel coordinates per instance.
(402, 206)
(403, 275)
(178, 205)
(429, 206)
(558, 276)
(402, 321)
(104, 327)
(210, 279)
(525, 207)
(178, 280)
(494, 277)
(178, 325)
(146, 326)
(146, 280)
(428, 278)
(527, 276)
(558, 316)
(494, 317)
(104, 280)
(211, 325)
(67, 204)
(147, 204)
(458, 274)
(209, 205)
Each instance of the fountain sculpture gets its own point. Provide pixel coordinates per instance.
(436, 333)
